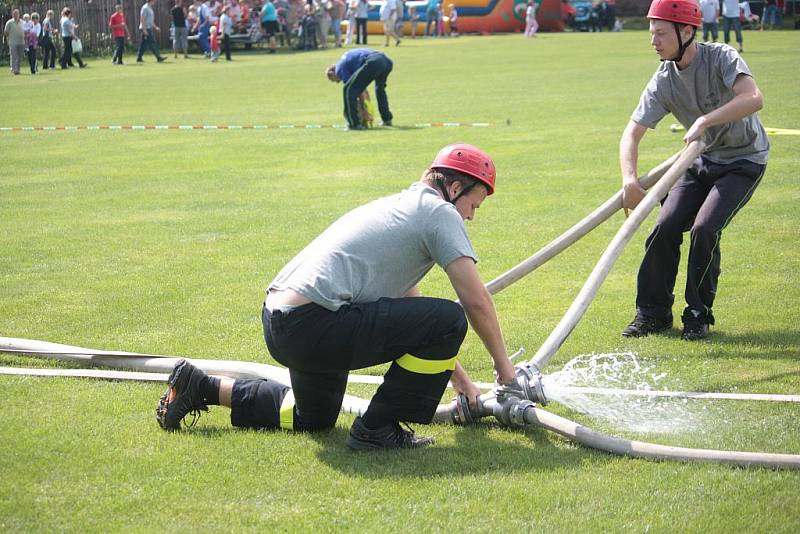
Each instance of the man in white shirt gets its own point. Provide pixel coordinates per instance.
(730, 18)
(226, 29)
(389, 17)
(710, 11)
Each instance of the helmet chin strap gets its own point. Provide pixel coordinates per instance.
(681, 45)
(446, 195)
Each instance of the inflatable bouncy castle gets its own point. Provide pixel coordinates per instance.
(478, 16)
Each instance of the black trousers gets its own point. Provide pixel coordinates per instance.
(361, 31)
(704, 201)
(49, 52)
(119, 51)
(32, 59)
(376, 68)
(226, 46)
(66, 58)
(420, 336)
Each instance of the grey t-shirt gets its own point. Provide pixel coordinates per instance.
(703, 86)
(14, 33)
(381, 249)
(147, 19)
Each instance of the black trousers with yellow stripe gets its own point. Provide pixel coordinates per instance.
(419, 336)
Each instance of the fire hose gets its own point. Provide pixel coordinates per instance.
(515, 404)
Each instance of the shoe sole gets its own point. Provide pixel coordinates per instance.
(693, 337)
(173, 378)
(361, 445)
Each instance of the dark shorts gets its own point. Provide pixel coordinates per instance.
(270, 27)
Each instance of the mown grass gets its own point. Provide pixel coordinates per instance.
(163, 241)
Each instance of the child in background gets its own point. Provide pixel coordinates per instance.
(352, 5)
(453, 20)
(214, 40)
(531, 26)
(366, 109)
(413, 18)
(191, 20)
(26, 29)
(439, 20)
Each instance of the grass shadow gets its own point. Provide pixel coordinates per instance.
(479, 449)
(783, 344)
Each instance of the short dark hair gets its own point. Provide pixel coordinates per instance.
(435, 176)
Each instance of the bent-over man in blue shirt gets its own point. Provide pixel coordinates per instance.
(358, 68)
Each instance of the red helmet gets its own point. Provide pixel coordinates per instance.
(468, 159)
(680, 11)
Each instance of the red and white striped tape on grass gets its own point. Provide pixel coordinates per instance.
(222, 127)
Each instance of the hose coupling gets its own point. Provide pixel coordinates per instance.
(510, 410)
(527, 384)
(464, 414)
(530, 375)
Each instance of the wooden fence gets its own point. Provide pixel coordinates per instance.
(92, 19)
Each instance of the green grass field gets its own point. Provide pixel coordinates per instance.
(163, 241)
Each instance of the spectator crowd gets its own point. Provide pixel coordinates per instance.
(215, 25)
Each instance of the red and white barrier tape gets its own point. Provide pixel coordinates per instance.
(222, 127)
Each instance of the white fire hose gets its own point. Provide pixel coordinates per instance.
(512, 406)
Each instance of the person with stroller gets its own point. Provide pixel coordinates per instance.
(308, 30)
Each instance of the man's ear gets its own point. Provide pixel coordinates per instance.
(455, 188)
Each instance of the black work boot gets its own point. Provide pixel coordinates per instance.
(694, 330)
(695, 324)
(391, 436)
(642, 325)
(182, 396)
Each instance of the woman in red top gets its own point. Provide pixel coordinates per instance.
(119, 30)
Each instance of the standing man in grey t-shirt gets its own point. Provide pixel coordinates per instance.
(710, 90)
(15, 38)
(349, 300)
(147, 26)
